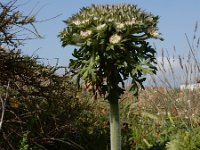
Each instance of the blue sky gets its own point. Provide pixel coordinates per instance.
(177, 17)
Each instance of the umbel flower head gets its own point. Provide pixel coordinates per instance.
(99, 20)
(86, 33)
(115, 39)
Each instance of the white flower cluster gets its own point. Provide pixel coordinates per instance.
(119, 6)
(131, 22)
(100, 27)
(95, 18)
(85, 33)
(110, 20)
(153, 32)
(85, 21)
(120, 25)
(115, 39)
(78, 22)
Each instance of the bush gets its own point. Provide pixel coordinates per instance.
(40, 102)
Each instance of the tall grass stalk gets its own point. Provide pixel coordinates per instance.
(179, 69)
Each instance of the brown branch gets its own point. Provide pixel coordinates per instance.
(10, 145)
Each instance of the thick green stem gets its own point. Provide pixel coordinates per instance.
(115, 130)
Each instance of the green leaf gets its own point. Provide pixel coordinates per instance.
(88, 43)
(110, 47)
(134, 89)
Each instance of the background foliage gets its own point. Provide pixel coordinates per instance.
(38, 100)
